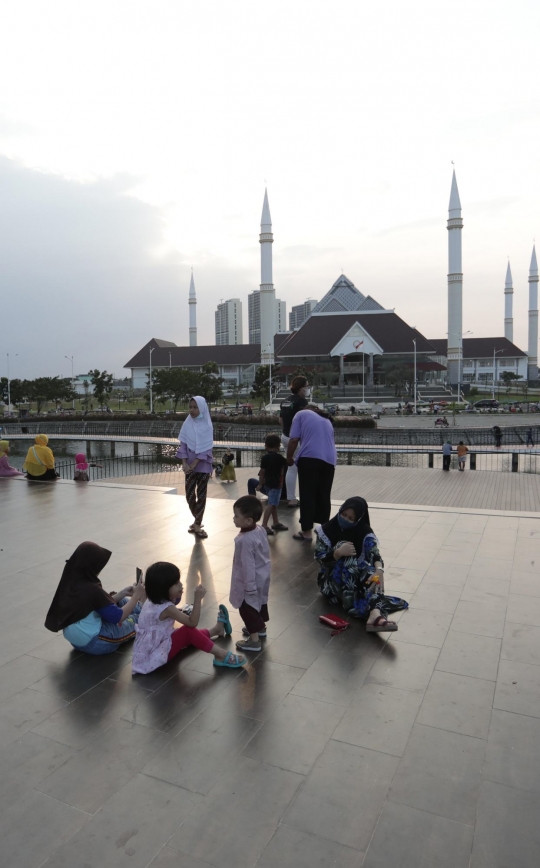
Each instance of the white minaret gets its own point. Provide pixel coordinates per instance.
(532, 365)
(268, 294)
(508, 306)
(455, 288)
(192, 313)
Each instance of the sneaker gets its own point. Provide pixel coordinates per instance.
(248, 645)
(268, 530)
(245, 632)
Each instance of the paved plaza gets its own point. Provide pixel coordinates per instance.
(419, 749)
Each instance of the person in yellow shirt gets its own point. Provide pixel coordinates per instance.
(39, 463)
(461, 455)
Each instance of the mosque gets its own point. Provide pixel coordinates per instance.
(358, 336)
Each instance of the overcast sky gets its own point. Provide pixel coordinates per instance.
(136, 139)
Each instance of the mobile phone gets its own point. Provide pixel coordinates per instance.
(138, 576)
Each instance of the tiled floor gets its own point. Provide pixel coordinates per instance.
(354, 750)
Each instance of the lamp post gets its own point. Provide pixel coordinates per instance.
(495, 354)
(70, 359)
(150, 382)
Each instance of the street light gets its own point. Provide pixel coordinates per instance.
(150, 382)
(414, 342)
(495, 353)
(70, 359)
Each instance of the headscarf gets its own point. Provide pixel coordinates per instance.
(42, 439)
(4, 446)
(198, 433)
(80, 591)
(356, 534)
(80, 461)
(39, 455)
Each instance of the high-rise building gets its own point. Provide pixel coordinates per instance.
(300, 312)
(254, 317)
(229, 322)
(281, 316)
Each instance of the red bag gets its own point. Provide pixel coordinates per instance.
(339, 624)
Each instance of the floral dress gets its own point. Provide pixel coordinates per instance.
(353, 581)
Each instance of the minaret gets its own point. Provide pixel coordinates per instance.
(508, 305)
(532, 365)
(192, 313)
(268, 294)
(455, 288)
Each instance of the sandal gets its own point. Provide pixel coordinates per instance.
(201, 534)
(191, 528)
(223, 618)
(293, 505)
(280, 526)
(302, 537)
(231, 661)
(268, 530)
(381, 625)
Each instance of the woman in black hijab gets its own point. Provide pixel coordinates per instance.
(351, 567)
(92, 620)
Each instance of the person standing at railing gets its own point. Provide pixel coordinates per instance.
(447, 455)
(196, 442)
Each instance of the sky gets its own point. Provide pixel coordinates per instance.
(137, 137)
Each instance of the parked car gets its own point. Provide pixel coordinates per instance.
(487, 403)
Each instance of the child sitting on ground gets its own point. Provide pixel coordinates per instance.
(271, 475)
(157, 640)
(250, 579)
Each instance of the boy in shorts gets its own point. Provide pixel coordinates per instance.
(270, 482)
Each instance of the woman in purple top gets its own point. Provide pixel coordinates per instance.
(196, 441)
(316, 461)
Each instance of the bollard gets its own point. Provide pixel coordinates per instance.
(239, 458)
(430, 459)
(515, 462)
(472, 461)
(389, 459)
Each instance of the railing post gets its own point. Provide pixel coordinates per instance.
(89, 448)
(472, 460)
(515, 462)
(135, 450)
(349, 458)
(113, 448)
(389, 459)
(239, 458)
(159, 450)
(430, 459)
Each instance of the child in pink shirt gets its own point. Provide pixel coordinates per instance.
(157, 640)
(250, 580)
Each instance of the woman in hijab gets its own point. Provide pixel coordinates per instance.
(92, 620)
(196, 441)
(5, 467)
(351, 567)
(39, 464)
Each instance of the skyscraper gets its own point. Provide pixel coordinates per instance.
(254, 317)
(229, 322)
(300, 312)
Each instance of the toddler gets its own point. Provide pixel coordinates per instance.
(228, 474)
(250, 580)
(81, 468)
(461, 455)
(271, 476)
(157, 640)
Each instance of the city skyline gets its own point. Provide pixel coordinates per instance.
(119, 177)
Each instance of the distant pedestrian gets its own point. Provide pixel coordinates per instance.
(196, 441)
(497, 433)
(530, 438)
(316, 461)
(461, 455)
(447, 455)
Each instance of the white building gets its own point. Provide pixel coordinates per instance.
(300, 312)
(483, 359)
(229, 322)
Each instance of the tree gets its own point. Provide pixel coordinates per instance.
(17, 391)
(85, 400)
(211, 384)
(260, 387)
(396, 374)
(103, 385)
(176, 384)
(45, 389)
(508, 377)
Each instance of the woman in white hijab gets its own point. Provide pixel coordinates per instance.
(196, 441)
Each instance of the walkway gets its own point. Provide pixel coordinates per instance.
(418, 749)
(471, 490)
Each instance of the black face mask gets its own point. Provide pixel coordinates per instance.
(344, 524)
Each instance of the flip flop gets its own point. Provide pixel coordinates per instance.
(280, 526)
(231, 661)
(301, 536)
(201, 534)
(223, 618)
(381, 625)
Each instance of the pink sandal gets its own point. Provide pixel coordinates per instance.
(381, 625)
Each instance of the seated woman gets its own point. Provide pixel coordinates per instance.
(39, 463)
(351, 567)
(92, 620)
(5, 467)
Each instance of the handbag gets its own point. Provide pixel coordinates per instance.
(338, 624)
